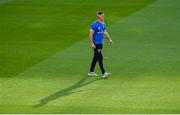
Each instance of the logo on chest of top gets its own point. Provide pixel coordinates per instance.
(100, 31)
(99, 28)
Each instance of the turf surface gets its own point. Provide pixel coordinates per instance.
(144, 62)
(33, 30)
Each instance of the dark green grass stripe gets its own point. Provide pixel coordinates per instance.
(4, 1)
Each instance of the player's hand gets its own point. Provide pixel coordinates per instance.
(93, 46)
(110, 41)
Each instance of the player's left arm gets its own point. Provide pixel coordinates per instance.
(107, 36)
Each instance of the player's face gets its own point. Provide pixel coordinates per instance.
(101, 17)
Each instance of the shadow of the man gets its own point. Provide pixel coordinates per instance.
(66, 91)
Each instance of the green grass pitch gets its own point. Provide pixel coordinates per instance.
(45, 56)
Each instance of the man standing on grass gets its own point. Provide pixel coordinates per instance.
(97, 34)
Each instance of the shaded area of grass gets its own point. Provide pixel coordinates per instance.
(66, 91)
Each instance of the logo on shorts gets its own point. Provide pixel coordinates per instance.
(99, 50)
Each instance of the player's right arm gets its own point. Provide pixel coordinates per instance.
(91, 33)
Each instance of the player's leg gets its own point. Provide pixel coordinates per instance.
(100, 61)
(100, 58)
(93, 64)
